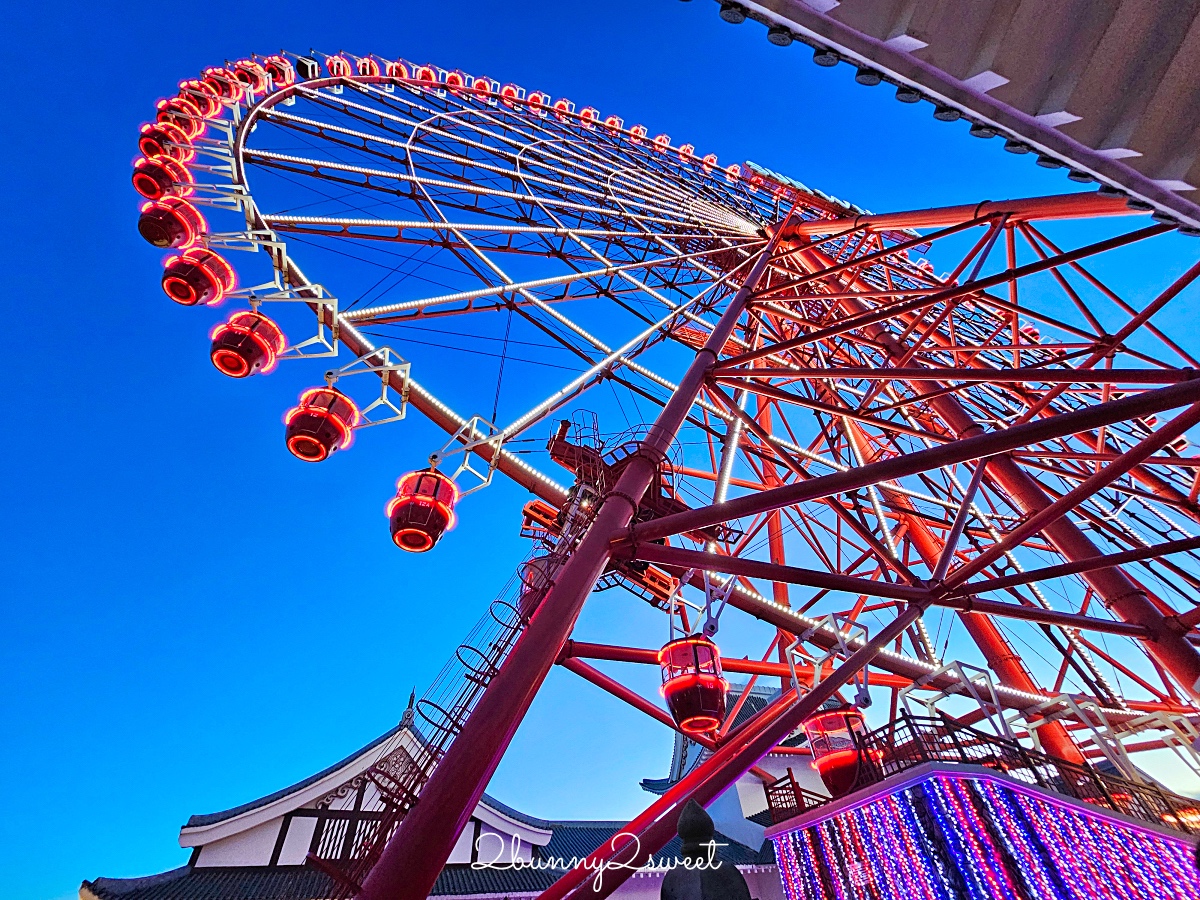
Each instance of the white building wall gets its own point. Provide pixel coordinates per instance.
(498, 847)
(462, 849)
(298, 840)
(252, 847)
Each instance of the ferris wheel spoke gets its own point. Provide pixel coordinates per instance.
(375, 312)
(561, 320)
(400, 225)
(308, 166)
(562, 172)
(676, 258)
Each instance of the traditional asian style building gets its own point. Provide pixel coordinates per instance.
(262, 850)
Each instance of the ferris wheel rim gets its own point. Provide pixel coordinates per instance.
(526, 475)
(521, 471)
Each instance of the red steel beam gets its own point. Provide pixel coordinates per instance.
(973, 375)
(972, 604)
(413, 858)
(1061, 206)
(585, 650)
(633, 698)
(974, 447)
(1087, 564)
(1047, 516)
(636, 700)
(865, 317)
(754, 568)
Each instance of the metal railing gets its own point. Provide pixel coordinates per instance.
(785, 798)
(910, 741)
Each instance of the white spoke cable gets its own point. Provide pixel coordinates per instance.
(514, 287)
(466, 187)
(555, 231)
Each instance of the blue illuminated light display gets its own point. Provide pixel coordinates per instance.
(947, 837)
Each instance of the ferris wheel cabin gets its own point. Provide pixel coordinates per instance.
(155, 178)
(692, 683)
(247, 344)
(160, 139)
(198, 277)
(422, 510)
(171, 222)
(320, 424)
(834, 737)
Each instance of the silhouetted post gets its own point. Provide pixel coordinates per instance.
(701, 875)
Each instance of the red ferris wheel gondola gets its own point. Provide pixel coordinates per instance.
(281, 70)
(198, 277)
(320, 424)
(156, 177)
(692, 683)
(171, 222)
(202, 96)
(422, 510)
(247, 344)
(834, 738)
(252, 75)
(165, 139)
(338, 66)
(183, 113)
(225, 83)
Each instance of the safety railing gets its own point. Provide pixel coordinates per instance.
(910, 741)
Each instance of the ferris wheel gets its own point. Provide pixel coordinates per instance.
(760, 400)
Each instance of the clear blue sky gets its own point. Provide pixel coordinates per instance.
(193, 618)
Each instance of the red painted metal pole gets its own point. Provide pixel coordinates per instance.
(633, 698)
(637, 701)
(1086, 564)
(585, 650)
(412, 859)
(982, 374)
(974, 446)
(1043, 518)
(610, 865)
(754, 568)
(972, 604)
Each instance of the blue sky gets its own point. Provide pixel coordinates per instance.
(192, 617)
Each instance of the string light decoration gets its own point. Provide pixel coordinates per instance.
(950, 837)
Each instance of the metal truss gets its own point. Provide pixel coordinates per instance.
(888, 467)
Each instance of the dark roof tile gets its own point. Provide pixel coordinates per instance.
(571, 839)
(233, 883)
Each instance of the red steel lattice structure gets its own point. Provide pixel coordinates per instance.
(828, 413)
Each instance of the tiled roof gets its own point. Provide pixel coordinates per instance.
(492, 803)
(233, 883)
(465, 880)
(571, 839)
(213, 818)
